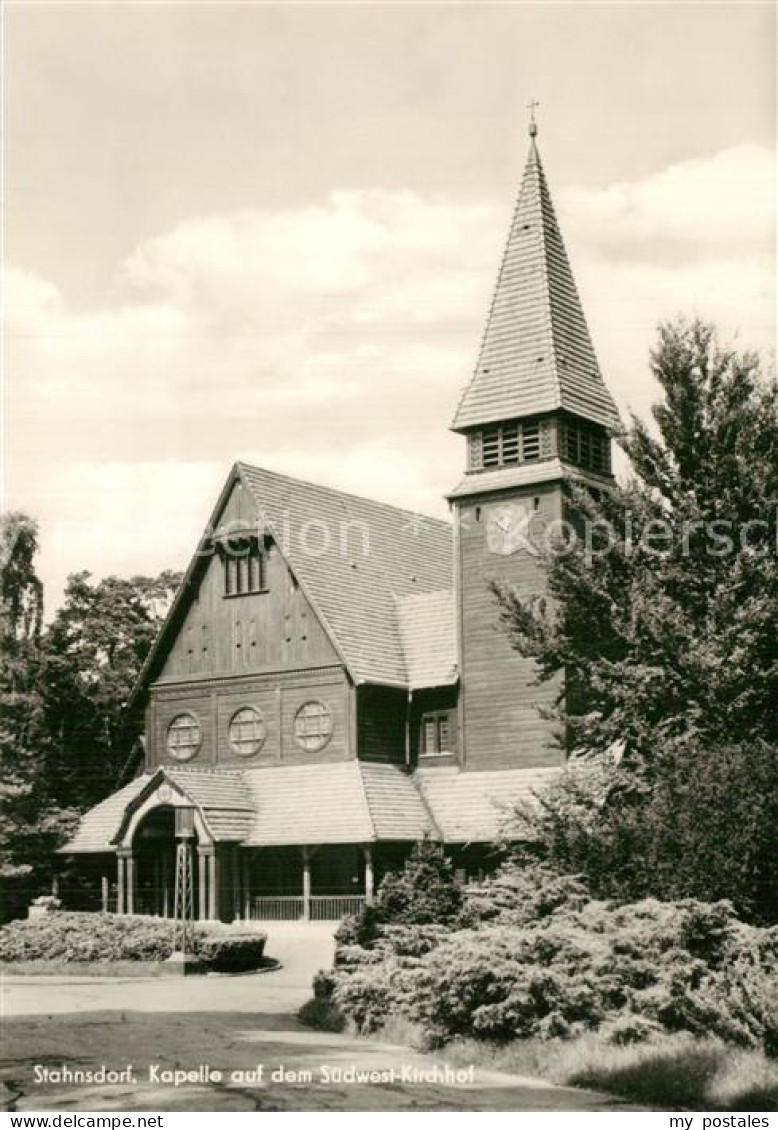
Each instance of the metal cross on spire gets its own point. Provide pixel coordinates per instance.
(533, 126)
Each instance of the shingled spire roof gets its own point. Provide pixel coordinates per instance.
(536, 355)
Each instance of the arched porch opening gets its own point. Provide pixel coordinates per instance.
(146, 863)
(154, 852)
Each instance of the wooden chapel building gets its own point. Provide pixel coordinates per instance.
(330, 684)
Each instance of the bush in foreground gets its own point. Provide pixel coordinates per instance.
(539, 959)
(76, 938)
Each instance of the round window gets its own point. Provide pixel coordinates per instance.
(184, 737)
(313, 726)
(247, 731)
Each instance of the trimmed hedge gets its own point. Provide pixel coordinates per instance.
(72, 937)
(231, 953)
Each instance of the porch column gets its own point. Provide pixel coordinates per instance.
(104, 892)
(202, 880)
(165, 884)
(55, 885)
(208, 883)
(212, 886)
(130, 886)
(246, 869)
(156, 893)
(236, 901)
(121, 880)
(306, 883)
(367, 850)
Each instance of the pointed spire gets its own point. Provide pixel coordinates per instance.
(536, 354)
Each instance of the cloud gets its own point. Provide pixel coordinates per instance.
(332, 341)
(692, 208)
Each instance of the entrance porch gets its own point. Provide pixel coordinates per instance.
(316, 883)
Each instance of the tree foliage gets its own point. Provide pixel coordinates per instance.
(65, 734)
(662, 612)
(30, 826)
(96, 645)
(704, 825)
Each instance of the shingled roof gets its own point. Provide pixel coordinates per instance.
(341, 802)
(474, 807)
(536, 354)
(338, 803)
(428, 637)
(99, 825)
(388, 555)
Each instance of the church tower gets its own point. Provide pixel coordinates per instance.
(535, 412)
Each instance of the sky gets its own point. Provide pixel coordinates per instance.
(271, 232)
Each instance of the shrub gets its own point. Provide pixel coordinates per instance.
(71, 937)
(230, 952)
(541, 959)
(529, 889)
(78, 937)
(423, 893)
(320, 1013)
(323, 984)
(685, 967)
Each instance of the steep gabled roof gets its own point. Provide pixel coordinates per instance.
(536, 354)
(354, 559)
(376, 553)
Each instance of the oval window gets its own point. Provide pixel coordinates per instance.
(313, 726)
(184, 737)
(247, 731)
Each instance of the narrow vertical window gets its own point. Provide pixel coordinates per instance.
(244, 567)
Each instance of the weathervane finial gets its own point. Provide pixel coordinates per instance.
(533, 125)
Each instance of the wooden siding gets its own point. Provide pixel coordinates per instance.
(501, 727)
(381, 715)
(229, 635)
(278, 696)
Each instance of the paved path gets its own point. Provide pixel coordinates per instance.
(302, 950)
(240, 1038)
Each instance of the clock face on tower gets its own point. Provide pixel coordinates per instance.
(508, 528)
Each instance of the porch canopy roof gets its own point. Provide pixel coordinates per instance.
(340, 802)
(344, 802)
(220, 798)
(475, 807)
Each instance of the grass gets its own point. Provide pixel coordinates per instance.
(679, 1072)
(672, 1073)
